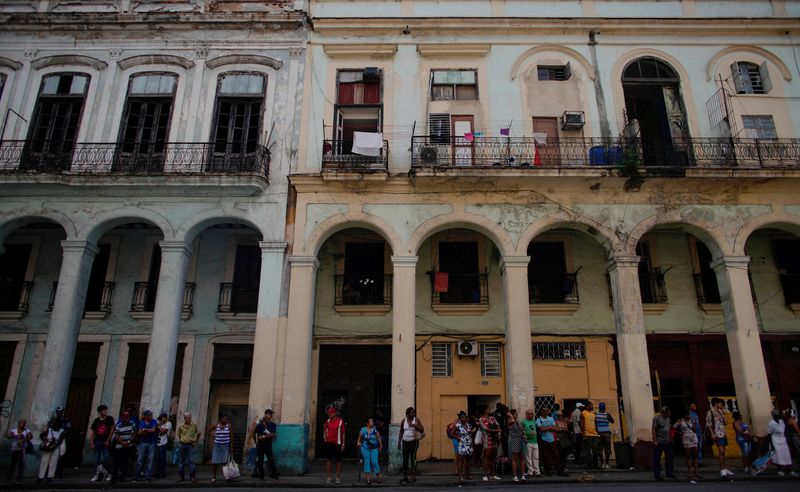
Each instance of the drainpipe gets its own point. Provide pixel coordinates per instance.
(605, 129)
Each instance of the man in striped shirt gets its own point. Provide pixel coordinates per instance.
(123, 445)
(603, 420)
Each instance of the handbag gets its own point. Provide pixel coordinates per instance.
(478, 438)
(231, 470)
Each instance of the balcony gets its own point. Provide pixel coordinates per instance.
(14, 299)
(363, 294)
(625, 155)
(174, 163)
(144, 301)
(553, 293)
(791, 291)
(653, 291)
(337, 157)
(237, 302)
(467, 294)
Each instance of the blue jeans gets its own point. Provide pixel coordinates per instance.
(185, 459)
(699, 447)
(370, 457)
(100, 455)
(745, 445)
(144, 462)
(666, 449)
(162, 461)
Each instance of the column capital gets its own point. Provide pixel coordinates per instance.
(274, 247)
(405, 261)
(304, 261)
(79, 246)
(622, 261)
(176, 247)
(514, 262)
(723, 262)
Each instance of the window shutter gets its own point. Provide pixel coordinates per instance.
(736, 73)
(441, 360)
(765, 80)
(567, 71)
(766, 127)
(490, 360)
(439, 127)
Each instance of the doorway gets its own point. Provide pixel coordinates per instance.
(550, 150)
(463, 147)
(357, 380)
(79, 399)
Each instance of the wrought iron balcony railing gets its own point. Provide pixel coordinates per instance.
(337, 155)
(15, 296)
(619, 153)
(791, 288)
(705, 285)
(101, 304)
(553, 288)
(462, 288)
(360, 290)
(237, 298)
(171, 158)
(144, 297)
(652, 287)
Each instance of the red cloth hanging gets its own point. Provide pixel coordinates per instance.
(440, 281)
(537, 159)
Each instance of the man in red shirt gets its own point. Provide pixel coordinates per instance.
(333, 444)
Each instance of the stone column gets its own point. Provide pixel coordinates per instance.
(292, 446)
(62, 336)
(744, 341)
(634, 366)
(519, 354)
(163, 347)
(262, 394)
(404, 314)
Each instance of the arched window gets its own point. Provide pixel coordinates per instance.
(649, 69)
(749, 78)
(2, 84)
(55, 122)
(237, 119)
(145, 122)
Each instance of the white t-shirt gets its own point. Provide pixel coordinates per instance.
(164, 438)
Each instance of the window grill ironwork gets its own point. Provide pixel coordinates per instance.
(490, 360)
(548, 402)
(362, 289)
(442, 360)
(463, 288)
(559, 350)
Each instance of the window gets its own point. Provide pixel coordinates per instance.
(14, 290)
(749, 78)
(54, 126)
(651, 279)
(559, 350)
(246, 278)
(490, 360)
(762, 127)
(465, 283)
(548, 402)
(454, 85)
(363, 281)
(2, 84)
(548, 279)
(359, 86)
(238, 114)
(788, 264)
(554, 72)
(145, 122)
(98, 293)
(439, 128)
(705, 279)
(442, 360)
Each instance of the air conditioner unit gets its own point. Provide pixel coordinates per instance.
(428, 155)
(572, 120)
(469, 349)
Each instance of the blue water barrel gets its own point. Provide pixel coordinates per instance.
(597, 156)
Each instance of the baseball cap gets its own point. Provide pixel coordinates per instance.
(269, 411)
(331, 411)
(579, 405)
(147, 412)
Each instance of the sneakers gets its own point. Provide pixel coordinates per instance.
(524, 478)
(328, 481)
(725, 473)
(516, 479)
(338, 481)
(95, 477)
(109, 478)
(485, 478)
(495, 477)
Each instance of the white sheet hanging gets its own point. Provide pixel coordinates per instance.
(369, 144)
(540, 138)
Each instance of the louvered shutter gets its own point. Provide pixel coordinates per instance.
(765, 80)
(738, 80)
(567, 71)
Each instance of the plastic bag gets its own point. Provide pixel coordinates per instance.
(231, 470)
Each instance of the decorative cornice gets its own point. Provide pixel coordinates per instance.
(405, 261)
(514, 262)
(304, 261)
(454, 50)
(267, 61)
(174, 60)
(273, 246)
(81, 60)
(79, 246)
(373, 51)
(622, 261)
(724, 262)
(176, 247)
(9, 63)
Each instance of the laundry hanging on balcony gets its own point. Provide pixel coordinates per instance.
(440, 281)
(538, 139)
(370, 144)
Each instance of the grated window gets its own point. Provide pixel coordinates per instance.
(442, 360)
(490, 360)
(548, 402)
(559, 350)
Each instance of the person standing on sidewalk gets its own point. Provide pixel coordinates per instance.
(547, 445)
(164, 432)
(100, 442)
(577, 432)
(591, 439)
(689, 441)
(603, 421)
(491, 437)
(563, 434)
(516, 446)
(333, 445)
(698, 430)
(264, 434)
(715, 423)
(411, 431)
(122, 438)
(531, 444)
(782, 456)
(662, 443)
(20, 440)
(369, 445)
(463, 434)
(187, 435)
(147, 447)
(51, 439)
(223, 444)
(743, 438)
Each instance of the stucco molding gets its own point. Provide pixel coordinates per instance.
(9, 63)
(373, 51)
(14, 222)
(345, 220)
(223, 60)
(68, 60)
(544, 48)
(174, 60)
(101, 223)
(454, 50)
(707, 232)
(711, 68)
(778, 220)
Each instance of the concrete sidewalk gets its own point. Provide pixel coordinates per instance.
(432, 473)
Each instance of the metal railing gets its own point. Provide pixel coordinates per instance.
(705, 285)
(237, 299)
(359, 290)
(619, 153)
(144, 297)
(652, 287)
(15, 296)
(337, 155)
(462, 288)
(102, 305)
(791, 287)
(553, 288)
(172, 158)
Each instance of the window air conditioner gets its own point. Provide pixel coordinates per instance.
(572, 120)
(428, 155)
(469, 349)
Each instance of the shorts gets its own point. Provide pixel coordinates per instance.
(745, 446)
(332, 451)
(722, 441)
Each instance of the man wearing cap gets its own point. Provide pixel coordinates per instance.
(333, 444)
(265, 432)
(123, 445)
(603, 421)
(187, 435)
(164, 429)
(577, 432)
(147, 446)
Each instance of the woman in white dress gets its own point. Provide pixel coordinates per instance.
(782, 457)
